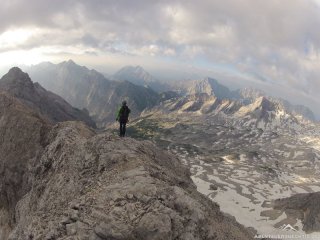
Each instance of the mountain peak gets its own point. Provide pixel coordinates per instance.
(71, 62)
(210, 86)
(16, 77)
(263, 103)
(15, 70)
(18, 84)
(132, 69)
(17, 73)
(136, 74)
(251, 93)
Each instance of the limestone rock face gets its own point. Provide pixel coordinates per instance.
(83, 185)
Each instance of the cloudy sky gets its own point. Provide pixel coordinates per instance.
(271, 44)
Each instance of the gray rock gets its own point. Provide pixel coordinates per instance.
(113, 231)
(305, 206)
(213, 187)
(154, 226)
(144, 192)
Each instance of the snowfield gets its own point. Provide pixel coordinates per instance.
(249, 161)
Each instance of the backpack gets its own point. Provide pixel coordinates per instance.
(124, 113)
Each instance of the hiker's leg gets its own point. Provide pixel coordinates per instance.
(120, 129)
(124, 129)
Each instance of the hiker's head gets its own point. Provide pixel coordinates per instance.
(124, 103)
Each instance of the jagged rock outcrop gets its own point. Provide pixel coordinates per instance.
(76, 184)
(261, 108)
(304, 206)
(52, 106)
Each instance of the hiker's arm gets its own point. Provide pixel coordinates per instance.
(118, 114)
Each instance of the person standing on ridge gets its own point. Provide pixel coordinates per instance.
(123, 118)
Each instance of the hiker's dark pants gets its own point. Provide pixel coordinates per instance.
(122, 129)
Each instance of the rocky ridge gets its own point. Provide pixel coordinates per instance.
(50, 105)
(64, 181)
(22, 139)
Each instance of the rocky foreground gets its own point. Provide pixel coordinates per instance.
(304, 206)
(64, 181)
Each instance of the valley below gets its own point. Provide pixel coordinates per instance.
(254, 156)
(243, 167)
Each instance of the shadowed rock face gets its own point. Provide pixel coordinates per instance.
(304, 205)
(22, 139)
(76, 184)
(52, 106)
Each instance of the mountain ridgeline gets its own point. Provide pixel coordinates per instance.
(245, 150)
(19, 85)
(245, 98)
(139, 76)
(61, 180)
(84, 88)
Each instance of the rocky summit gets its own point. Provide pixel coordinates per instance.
(65, 181)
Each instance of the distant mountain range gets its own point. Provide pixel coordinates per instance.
(141, 77)
(60, 179)
(245, 149)
(248, 96)
(237, 144)
(89, 89)
(84, 88)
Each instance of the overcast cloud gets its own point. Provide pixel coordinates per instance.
(274, 42)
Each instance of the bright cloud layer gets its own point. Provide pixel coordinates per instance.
(276, 42)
